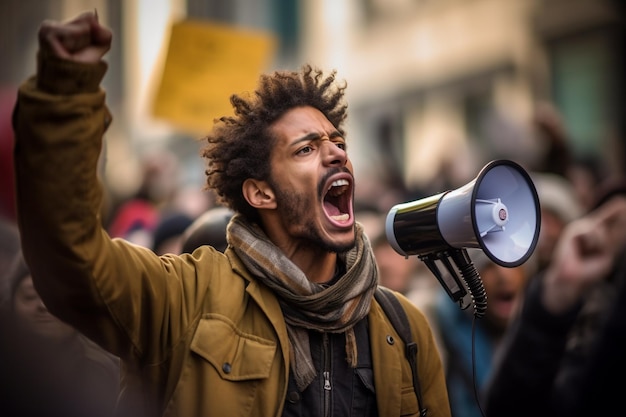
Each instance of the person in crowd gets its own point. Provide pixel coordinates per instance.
(49, 368)
(284, 322)
(549, 126)
(460, 333)
(393, 273)
(9, 248)
(136, 218)
(559, 205)
(208, 229)
(169, 232)
(563, 355)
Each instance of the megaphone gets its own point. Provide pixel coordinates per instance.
(497, 212)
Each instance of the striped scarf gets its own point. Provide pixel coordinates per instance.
(307, 305)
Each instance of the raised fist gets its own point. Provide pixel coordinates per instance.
(81, 39)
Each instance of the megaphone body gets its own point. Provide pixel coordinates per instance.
(497, 212)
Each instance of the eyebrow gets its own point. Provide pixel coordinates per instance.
(314, 136)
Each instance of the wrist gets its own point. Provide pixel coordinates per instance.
(61, 76)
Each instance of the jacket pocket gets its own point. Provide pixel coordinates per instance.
(409, 405)
(236, 356)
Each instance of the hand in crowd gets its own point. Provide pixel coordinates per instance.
(585, 255)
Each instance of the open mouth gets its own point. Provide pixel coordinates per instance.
(503, 302)
(337, 201)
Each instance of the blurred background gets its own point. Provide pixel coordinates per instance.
(436, 88)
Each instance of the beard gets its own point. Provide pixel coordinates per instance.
(295, 208)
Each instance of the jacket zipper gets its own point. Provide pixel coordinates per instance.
(326, 374)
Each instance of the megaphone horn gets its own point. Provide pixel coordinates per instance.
(497, 212)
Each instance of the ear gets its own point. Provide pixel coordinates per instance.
(258, 194)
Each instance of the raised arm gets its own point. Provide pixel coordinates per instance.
(59, 121)
(97, 284)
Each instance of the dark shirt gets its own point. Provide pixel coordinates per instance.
(338, 389)
(540, 374)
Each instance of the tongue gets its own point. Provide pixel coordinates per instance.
(331, 210)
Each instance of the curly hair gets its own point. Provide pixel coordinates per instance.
(239, 147)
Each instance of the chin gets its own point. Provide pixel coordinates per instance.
(345, 243)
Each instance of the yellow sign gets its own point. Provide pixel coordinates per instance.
(206, 63)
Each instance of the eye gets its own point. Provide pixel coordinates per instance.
(29, 298)
(305, 150)
(341, 145)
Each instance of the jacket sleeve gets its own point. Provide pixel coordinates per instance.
(122, 296)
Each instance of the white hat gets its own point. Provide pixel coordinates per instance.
(557, 195)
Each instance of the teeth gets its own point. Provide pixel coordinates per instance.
(338, 187)
(341, 217)
(339, 183)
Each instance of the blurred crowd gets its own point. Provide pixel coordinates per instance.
(549, 341)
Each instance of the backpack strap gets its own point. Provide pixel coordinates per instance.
(396, 314)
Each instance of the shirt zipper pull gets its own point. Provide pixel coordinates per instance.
(327, 381)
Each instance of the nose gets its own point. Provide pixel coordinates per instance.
(41, 306)
(333, 154)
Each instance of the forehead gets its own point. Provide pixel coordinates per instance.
(301, 121)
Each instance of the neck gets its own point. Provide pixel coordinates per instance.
(318, 264)
(318, 268)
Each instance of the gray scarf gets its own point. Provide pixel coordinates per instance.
(307, 305)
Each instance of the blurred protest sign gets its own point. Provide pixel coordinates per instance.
(205, 64)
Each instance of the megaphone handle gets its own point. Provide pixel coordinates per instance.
(472, 279)
(455, 289)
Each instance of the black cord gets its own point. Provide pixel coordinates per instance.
(474, 365)
(472, 279)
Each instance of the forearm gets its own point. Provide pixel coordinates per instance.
(98, 285)
(58, 128)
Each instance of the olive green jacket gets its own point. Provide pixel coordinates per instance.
(197, 334)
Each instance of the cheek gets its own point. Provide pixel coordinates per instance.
(489, 282)
(520, 282)
(551, 226)
(25, 309)
(498, 280)
(512, 279)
